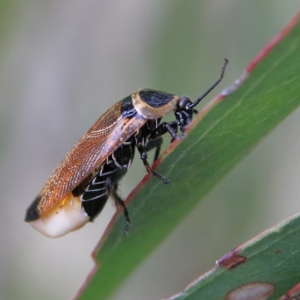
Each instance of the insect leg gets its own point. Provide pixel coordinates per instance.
(120, 202)
(156, 143)
(144, 157)
(164, 127)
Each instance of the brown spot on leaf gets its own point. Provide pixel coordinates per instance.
(251, 291)
(231, 260)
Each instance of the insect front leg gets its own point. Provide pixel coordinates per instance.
(164, 127)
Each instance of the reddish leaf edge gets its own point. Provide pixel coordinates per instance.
(224, 93)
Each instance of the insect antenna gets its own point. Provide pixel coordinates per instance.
(191, 105)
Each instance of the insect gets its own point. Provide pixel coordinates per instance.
(80, 186)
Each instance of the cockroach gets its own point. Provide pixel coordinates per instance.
(79, 188)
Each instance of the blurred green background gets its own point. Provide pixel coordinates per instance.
(63, 63)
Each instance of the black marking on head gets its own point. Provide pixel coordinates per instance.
(155, 98)
(32, 213)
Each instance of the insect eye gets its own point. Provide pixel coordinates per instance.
(183, 101)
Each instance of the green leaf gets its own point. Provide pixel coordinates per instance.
(269, 264)
(222, 136)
